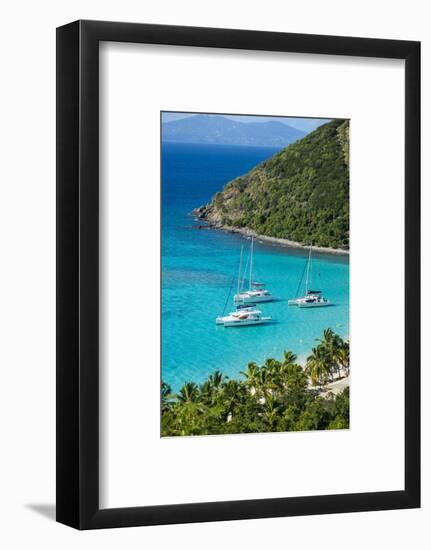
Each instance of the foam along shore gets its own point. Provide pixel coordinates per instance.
(274, 240)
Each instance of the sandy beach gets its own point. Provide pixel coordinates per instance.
(336, 387)
(274, 240)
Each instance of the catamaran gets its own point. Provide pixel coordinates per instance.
(311, 298)
(256, 292)
(246, 312)
(243, 317)
(240, 310)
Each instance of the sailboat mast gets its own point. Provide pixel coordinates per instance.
(308, 271)
(239, 270)
(251, 262)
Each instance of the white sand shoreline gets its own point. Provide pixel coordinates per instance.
(336, 387)
(285, 243)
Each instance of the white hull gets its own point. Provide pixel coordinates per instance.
(303, 302)
(311, 298)
(247, 322)
(221, 320)
(240, 313)
(314, 304)
(256, 294)
(252, 298)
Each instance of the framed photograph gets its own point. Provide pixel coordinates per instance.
(238, 274)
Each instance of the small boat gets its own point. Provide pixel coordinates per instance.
(257, 292)
(311, 298)
(246, 312)
(242, 319)
(234, 314)
(253, 295)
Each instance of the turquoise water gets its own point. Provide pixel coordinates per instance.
(199, 269)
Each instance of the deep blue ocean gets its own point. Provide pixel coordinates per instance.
(199, 267)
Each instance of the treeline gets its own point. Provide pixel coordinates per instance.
(300, 194)
(278, 396)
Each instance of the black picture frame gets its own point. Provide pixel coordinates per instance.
(78, 274)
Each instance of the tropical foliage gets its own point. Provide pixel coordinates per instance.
(277, 396)
(300, 194)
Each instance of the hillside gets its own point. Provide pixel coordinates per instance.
(300, 194)
(219, 130)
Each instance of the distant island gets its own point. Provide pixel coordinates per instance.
(219, 130)
(299, 196)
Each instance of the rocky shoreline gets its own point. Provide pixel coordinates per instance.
(200, 215)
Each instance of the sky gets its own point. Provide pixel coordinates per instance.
(304, 124)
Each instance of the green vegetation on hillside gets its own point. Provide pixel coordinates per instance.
(278, 396)
(300, 194)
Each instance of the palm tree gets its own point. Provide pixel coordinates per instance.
(216, 379)
(189, 393)
(272, 409)
(274, 378)
(252, 376)
(317, 366)
(167, 396)
(206, 392)
(165, 389)
(331, 343)
(232, 396)
(212, 387)
(188, 409)
(289, 358)
(343, 357)
(272, 397)
(264, 383)
(289, 363)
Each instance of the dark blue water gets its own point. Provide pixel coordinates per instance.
(199, 268)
